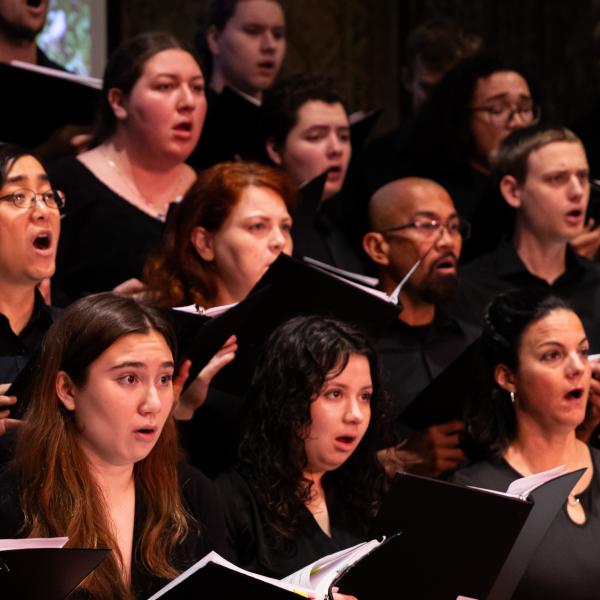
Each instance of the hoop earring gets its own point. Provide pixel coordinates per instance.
(512, 397)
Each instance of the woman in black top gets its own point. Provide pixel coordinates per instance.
(308, 479)
(150, 118)
(537, 353)
(100, 422)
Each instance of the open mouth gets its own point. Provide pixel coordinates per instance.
(34, 3)
(268, 65)
(445, 263)
(345, 439)
(185, 126)
(42, 241)
(574, 394)
(576, 213)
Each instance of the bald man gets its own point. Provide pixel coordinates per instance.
(415, 219)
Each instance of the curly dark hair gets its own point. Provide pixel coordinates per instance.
(490, 416)
(298, 358)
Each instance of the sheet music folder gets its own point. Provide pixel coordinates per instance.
(46, 573)
(288, 289)
(231, 584)
(35, 104)
(465, 541)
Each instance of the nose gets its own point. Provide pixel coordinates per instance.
(187, 98)
(517, 120)
(354, 413)
(267, 41)
(575, 187)
(151, 403)
(278, 239)
(334, 145)
(576, 364)
(40, 210)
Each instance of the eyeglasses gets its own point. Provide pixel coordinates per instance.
(27, 198)
(429, 228)
(501, 115)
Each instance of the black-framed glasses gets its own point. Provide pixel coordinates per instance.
(429, 228)
(27, 198)
(500, 115)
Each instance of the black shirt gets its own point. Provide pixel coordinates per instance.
(16, 350)
(200, 500)
(565, 565)
(412, 357)
(104, 239)
(251, 545)
(502, 270)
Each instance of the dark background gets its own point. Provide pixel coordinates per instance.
(360, 43)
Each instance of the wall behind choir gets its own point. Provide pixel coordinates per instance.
(359, 42)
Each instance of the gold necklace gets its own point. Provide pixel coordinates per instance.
(160, 215)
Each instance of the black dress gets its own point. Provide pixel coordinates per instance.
(104, 239)
(200, 500)
(567, 562)
(253, 548)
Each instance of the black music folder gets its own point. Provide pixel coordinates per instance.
(46, 573)
(34, 104)
(465, 541)
(289, 288)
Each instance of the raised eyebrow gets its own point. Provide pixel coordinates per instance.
(504, 95)
(19, 178)
(129, 364)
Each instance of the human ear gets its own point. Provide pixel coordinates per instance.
(376, 247)
(273, 152)
(65, 390)
(511, 191)
(202, 241)
(116, 100)
(212, 39)
(504, 378)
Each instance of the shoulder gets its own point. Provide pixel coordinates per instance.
(487, 474)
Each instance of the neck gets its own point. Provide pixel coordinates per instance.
(480, 166)
(317, 491)
(545, 259)
(16, 304)
(138, 159)
(114, 480)
(24, 50)
(536, 450)
(414, 311)
(218, 82)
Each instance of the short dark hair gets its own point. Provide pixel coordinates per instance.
(124, 68)
(297, 359)
(440, 44)
(513, 154)
(491, 417)
(9, 154)
(282, 103)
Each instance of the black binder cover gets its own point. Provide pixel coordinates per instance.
(446, 396)
(457, 538)
(46, 573)
(377, 575)
(215, 581)
(288, 289)
(33, 105)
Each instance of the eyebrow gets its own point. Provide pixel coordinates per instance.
(176, 76)
(503, 95)
(131, 364)
(19, 178)
(556, 343)
(432, 215)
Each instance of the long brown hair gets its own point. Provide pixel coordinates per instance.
(59, 496)
(177, 275)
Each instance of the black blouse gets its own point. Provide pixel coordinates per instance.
(200, 500)
(104, 239)
(567, 562)
(252, 546)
